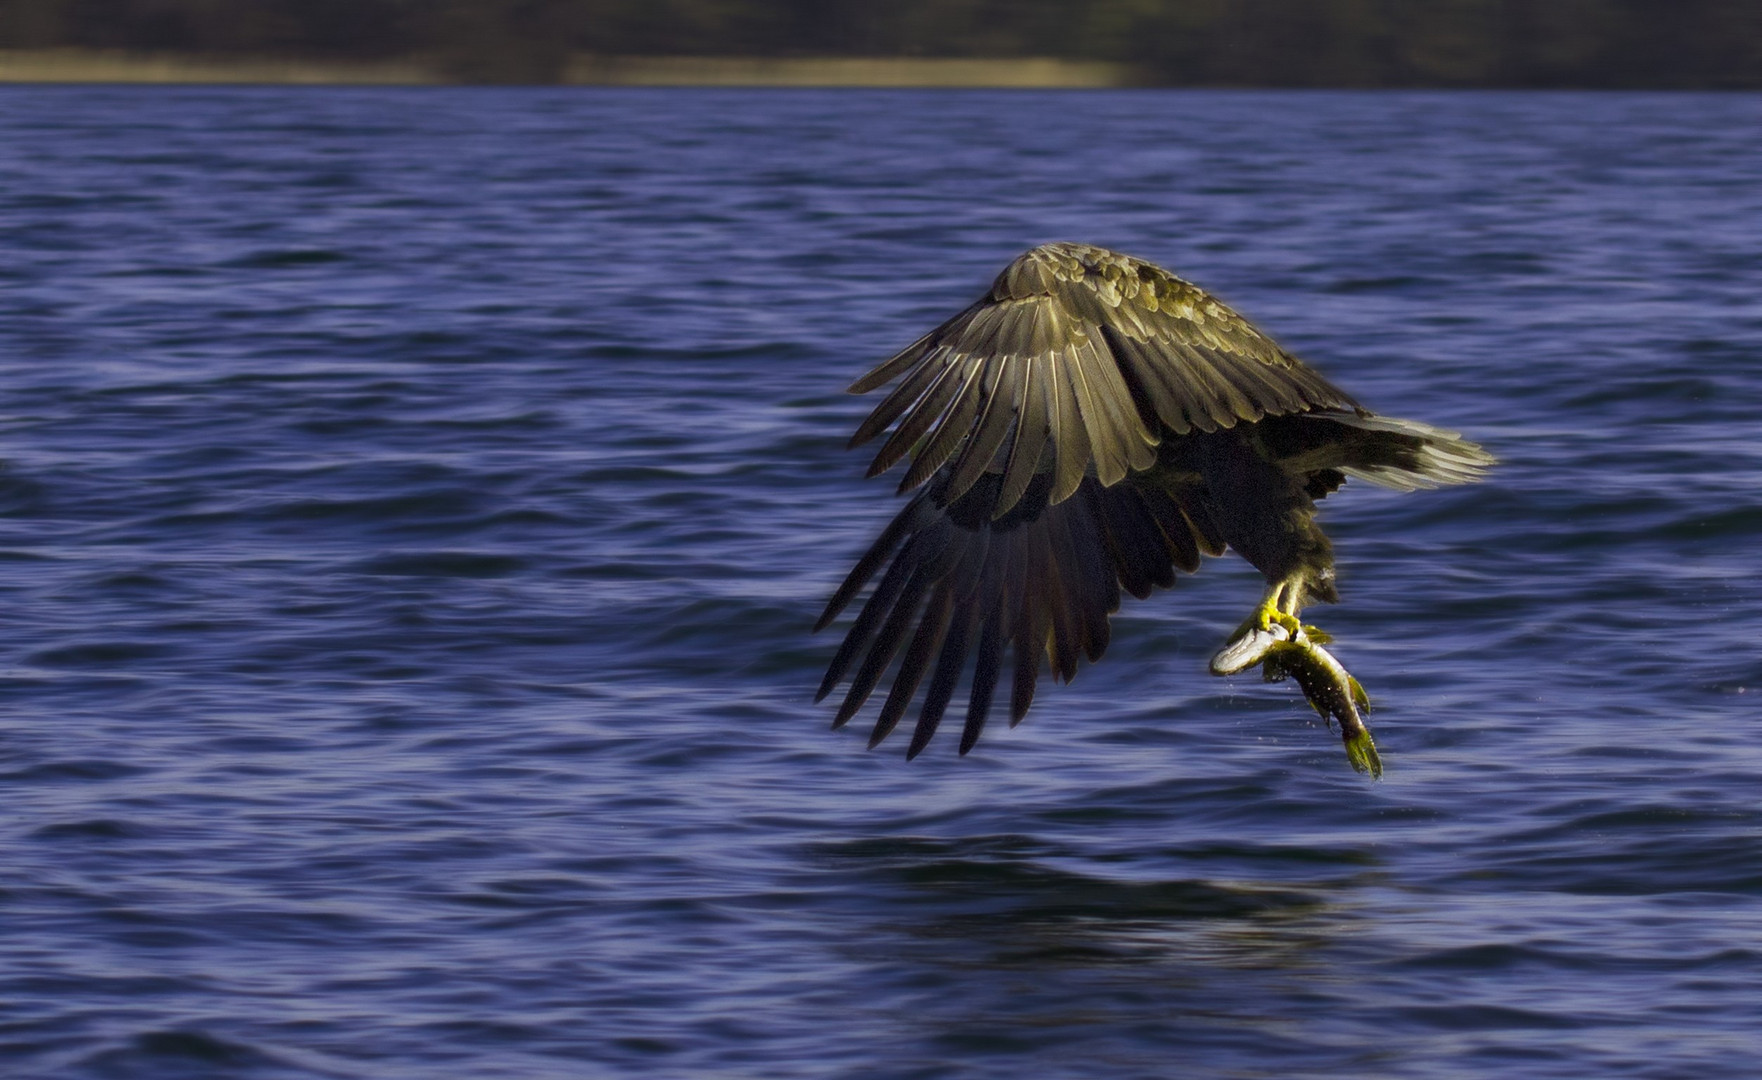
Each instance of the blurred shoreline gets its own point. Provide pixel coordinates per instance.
(125, 66)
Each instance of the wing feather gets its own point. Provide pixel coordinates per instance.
(1133, 441)
(987, 667)
(1067, 435)
(879, 604)
(918, 514)
(949, 431)
(1176, 399)
(1182, 542)
(989, 433)
(1031, 433)
(922, 569)
(948, 672)
(993, 635)
(932, 627)
(1092, 417)
(1222, 402)
(940, 387)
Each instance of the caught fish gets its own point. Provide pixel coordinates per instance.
(1331, 691)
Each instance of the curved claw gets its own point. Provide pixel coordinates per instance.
(1293, 628)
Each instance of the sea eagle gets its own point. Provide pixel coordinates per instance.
(1096, 423)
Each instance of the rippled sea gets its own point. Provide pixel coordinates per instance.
(416, 501)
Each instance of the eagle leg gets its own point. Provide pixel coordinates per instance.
(1248, 645)
(1279, 607)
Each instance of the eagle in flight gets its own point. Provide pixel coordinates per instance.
(1095, 423)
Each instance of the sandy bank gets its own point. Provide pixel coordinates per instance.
(104, 66)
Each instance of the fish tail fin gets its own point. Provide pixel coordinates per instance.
(1361, 751)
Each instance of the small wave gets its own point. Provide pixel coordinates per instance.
(444, 564)
(1743, 522)
(1384, 283)
(189, 1053)
(102, 654)
(287, 259)
(95, 829)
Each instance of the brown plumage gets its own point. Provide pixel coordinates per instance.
(1092, 423)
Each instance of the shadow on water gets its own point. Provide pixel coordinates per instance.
(1019, 901)
(1012, 947)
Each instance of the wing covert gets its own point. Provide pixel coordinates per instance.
(1075, 364)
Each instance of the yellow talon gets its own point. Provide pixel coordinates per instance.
(1269, 615)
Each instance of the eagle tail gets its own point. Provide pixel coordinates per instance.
(1406, 454)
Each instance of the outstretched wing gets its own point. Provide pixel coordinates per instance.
(1074, 364)
(1040, 580)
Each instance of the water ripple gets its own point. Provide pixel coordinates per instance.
(415, 504)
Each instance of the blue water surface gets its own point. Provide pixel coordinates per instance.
(416, 502)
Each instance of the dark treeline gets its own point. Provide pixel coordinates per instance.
(1537, 43)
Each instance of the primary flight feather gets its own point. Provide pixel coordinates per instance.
(1096, 423)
